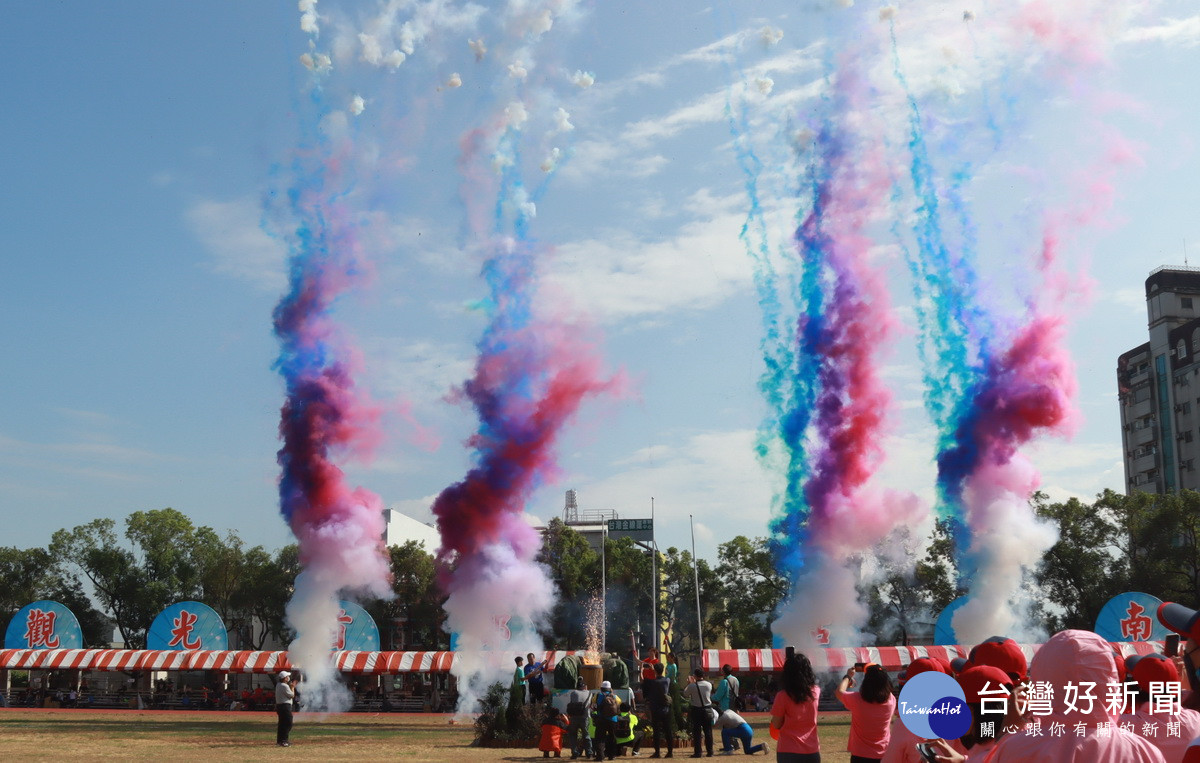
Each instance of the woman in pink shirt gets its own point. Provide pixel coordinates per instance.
(794, 714)
(871, 711)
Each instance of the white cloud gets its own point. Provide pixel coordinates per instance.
(1185, 32)
(421, 372)
(239, 247)
(621, 277)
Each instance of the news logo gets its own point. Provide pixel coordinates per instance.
(933, 706)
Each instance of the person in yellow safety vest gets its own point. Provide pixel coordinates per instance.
(627, 732)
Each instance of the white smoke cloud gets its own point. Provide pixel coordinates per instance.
(517, 70)
(496, 617)
(770, 35)
(478, 48)
(583, 80)
(551, 161)
(562, 121)
(516, 115)
(1007, 542)
(308, 16)
(357, 104)
(454, 81)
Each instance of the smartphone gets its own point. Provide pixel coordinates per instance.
(1171, 645)
(860, 667)
(928, 754)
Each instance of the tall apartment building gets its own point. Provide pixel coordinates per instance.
(1158, 386)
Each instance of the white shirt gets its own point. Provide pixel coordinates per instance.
(284, 693)
(699, 693)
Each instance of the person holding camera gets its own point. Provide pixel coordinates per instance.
(871, 711)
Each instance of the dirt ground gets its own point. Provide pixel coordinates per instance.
(93, 735)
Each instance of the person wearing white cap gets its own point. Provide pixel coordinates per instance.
(284, 694)
(608, 708)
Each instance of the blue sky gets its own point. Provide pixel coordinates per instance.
(138, 279)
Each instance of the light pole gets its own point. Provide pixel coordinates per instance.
(696, 574)
(654, 572)
(604, 588)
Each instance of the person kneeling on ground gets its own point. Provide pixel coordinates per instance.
(733, 729)
(627, 732)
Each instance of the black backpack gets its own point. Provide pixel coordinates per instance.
(624, 727)
(576, 708)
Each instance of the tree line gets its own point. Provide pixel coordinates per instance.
(122, 580)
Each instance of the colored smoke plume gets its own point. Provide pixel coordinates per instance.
(532, 372)
(827, 402)
(339, 528)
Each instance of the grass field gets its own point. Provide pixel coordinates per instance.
(91, 735)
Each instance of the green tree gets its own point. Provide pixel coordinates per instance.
(261, 597)
(29, 575)
(678, 610)
(575, 570)
(1082, 570)
(630, 593)
(133, 583)
(751, 589)
(417, 601)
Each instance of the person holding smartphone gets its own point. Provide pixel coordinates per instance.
(794, 714)
(871, 710)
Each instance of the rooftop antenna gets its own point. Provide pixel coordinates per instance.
(1185, 262)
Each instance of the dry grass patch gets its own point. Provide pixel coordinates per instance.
(215, 736)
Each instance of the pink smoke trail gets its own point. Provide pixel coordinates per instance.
(339, 529)
(532, 373)
(833, 425)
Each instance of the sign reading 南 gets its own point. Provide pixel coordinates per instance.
(636, 529)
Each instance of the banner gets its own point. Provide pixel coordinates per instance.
(44, 625)
(1131, 616)
(187, 625)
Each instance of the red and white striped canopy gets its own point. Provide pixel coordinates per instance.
(226, 661)
(892, 658)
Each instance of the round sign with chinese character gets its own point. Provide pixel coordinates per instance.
(356, 629)
(1131, 616)
(187, 625)
(44, 625)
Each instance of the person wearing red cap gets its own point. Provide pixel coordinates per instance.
(871, 710)
(1185, 622)
(1002, 653)
(902, 743)
(1074, 729)
(1148, 670)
